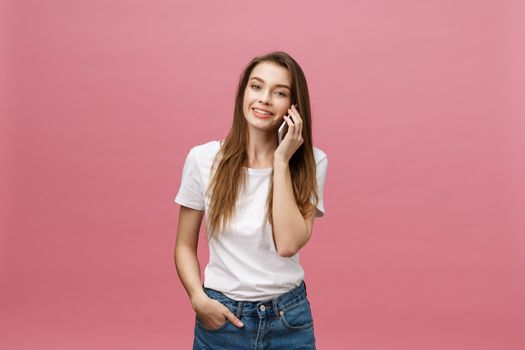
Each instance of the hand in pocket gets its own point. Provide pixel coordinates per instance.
(213, 314)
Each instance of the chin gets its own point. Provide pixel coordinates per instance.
(264, 126)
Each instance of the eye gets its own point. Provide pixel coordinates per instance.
(255, 86)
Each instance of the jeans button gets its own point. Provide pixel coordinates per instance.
(262, 308)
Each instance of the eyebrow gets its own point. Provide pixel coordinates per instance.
(278, 85)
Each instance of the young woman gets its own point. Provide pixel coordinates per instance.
(260, 198)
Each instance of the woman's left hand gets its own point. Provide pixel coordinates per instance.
(293, 138)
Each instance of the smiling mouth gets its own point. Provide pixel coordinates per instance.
(261, 114)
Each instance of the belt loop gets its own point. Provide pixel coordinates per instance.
(275, 308)
(239, 309)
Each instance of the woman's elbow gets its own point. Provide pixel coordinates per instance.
(287, 252)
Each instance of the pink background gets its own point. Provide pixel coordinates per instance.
(418, 104)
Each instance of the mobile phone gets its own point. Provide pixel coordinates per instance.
(283, 129)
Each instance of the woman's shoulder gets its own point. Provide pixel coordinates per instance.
(319, 154)
(208, 148)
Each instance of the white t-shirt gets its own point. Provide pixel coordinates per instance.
(244, 264)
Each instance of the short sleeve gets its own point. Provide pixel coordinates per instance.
(190, 192)
(321, 169)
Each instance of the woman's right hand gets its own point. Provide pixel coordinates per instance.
(212, 313)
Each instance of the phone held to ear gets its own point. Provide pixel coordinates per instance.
(283, 129)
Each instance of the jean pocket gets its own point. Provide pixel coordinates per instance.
(297, 316)
(216, 295)
(207, 329)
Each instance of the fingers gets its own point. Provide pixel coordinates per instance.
(231, 317)
(297, 121)
(289, 121)
(291, 126)
(214, 325)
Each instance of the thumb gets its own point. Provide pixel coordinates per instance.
(231, 317)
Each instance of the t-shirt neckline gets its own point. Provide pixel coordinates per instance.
(255, 171)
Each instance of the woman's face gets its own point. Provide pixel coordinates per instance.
(269, 89)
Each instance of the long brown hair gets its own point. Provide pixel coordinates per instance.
(230, 176)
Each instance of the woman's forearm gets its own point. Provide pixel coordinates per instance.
(188, 269)
(289, 226)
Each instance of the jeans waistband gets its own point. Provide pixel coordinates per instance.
(265, 308)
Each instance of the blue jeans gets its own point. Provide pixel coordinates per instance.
(284, 322)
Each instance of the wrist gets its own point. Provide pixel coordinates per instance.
(197, 299)
(280, 163)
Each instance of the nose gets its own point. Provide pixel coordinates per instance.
(265, 99)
